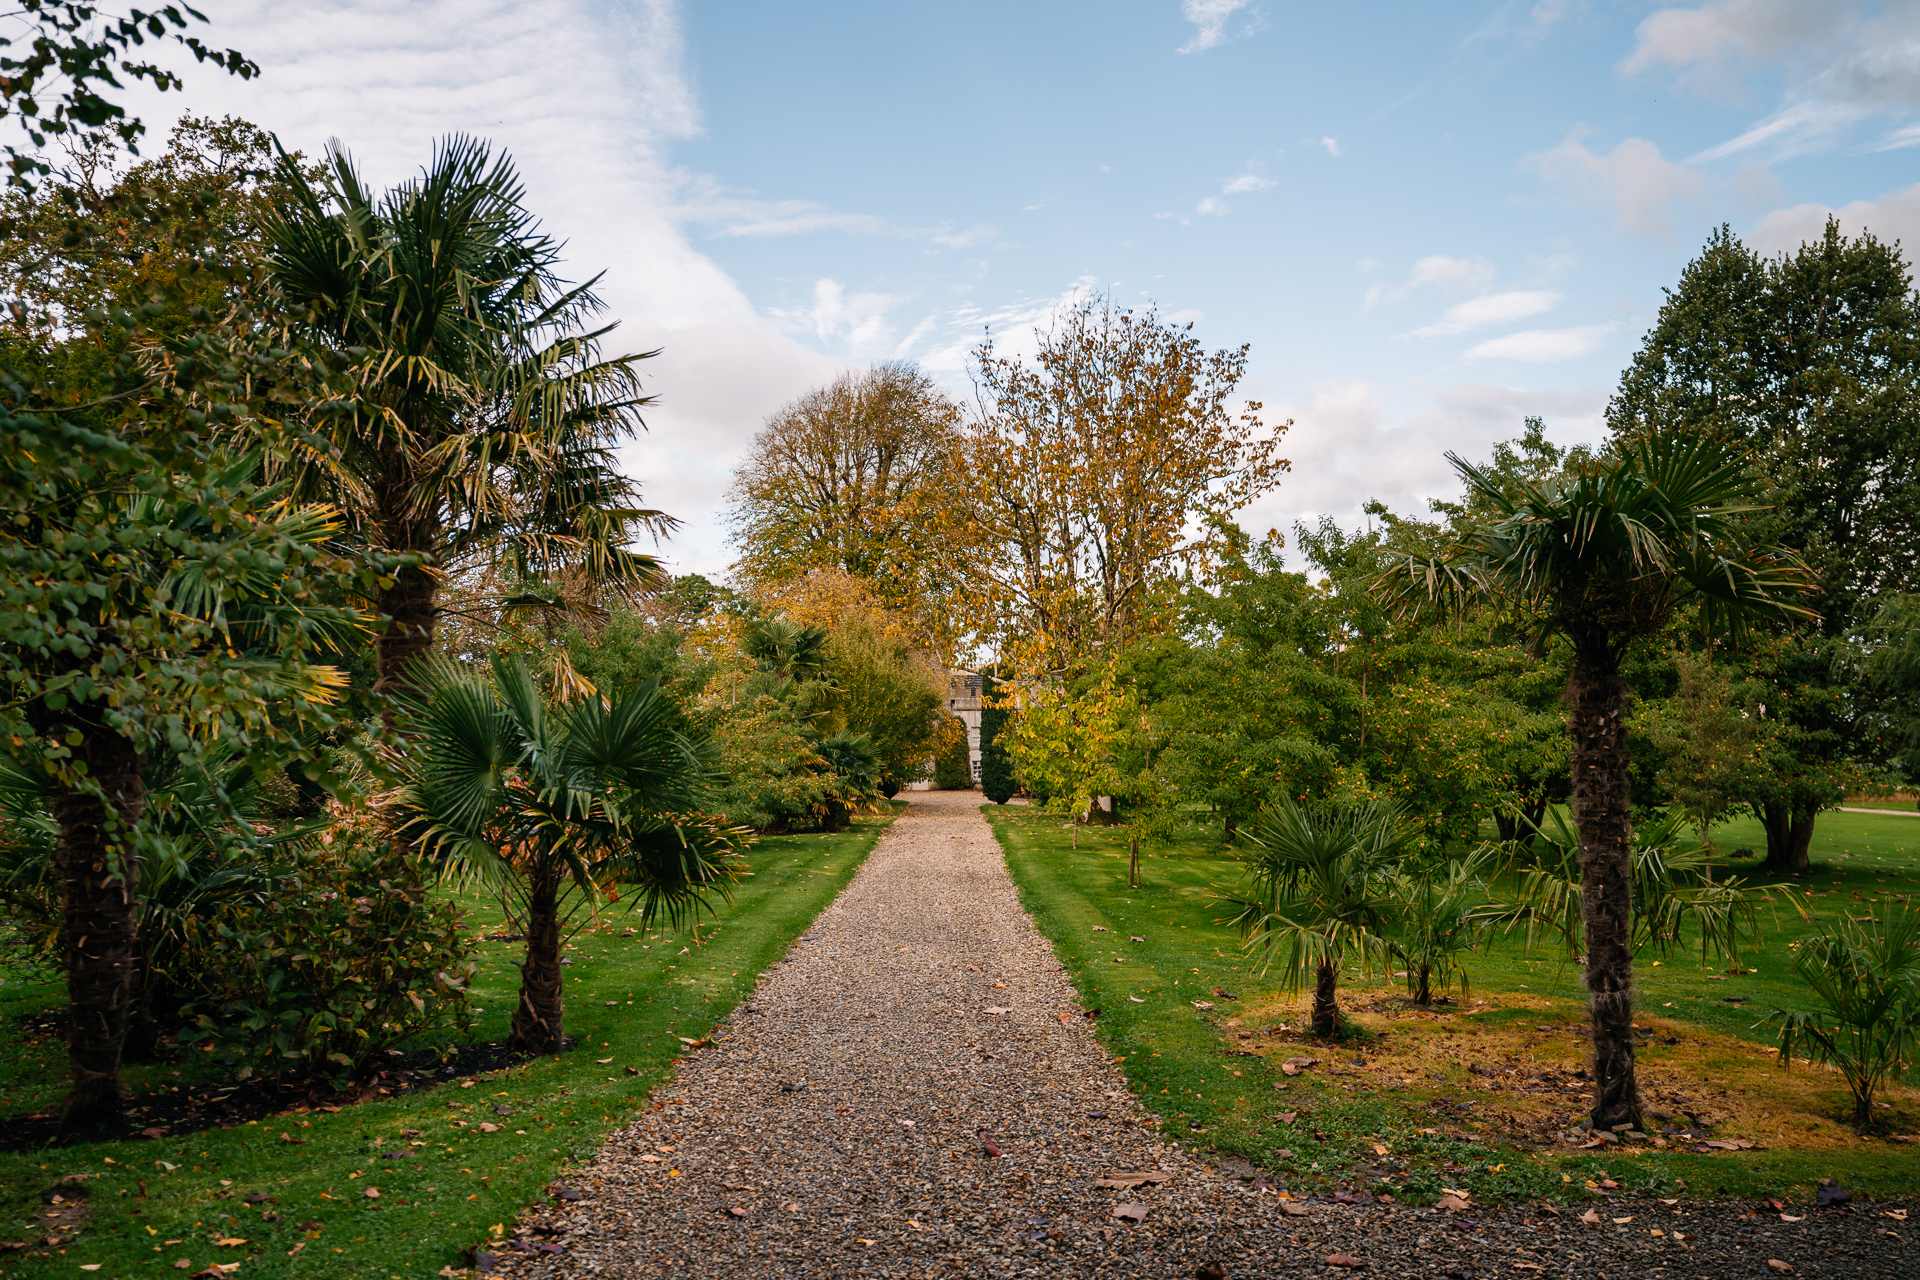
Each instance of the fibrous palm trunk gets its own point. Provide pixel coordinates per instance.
(1326, 1013)
(408, 606)
(1423, 988)
(99, 881)
(1597, 705)
(537, 1021)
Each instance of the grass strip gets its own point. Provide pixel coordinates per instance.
(1428, 1102)
(343, 1201)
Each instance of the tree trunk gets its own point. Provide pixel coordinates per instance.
(1423, 992)
(1789, 837)
(99, 883)
(1597, 699)
(537, 1022)
(1326, 1013)
(1508, 827)
(408, 636)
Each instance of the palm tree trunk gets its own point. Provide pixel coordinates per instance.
(1597, 702)
(1326, 1013)
(537, 1022)
(408, 606)
(1423, 992)
(99, 882)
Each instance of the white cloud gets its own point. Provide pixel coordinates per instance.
(705, 202)
(1542, 346)
(859, 320)
(1549, 13)
(1348, 445)
(1212, 206)
(1245, 183)
(1840, 69)
(1895, 216)
(1188, 316)
(1441, 271)
(1332, 146)
(1634, 179)
(1705, 39)
(1210, 18)
(1493, 308)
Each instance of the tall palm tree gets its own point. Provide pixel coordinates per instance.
(1322, 878)
(1602, 554)
(483, 417)
(556, 806)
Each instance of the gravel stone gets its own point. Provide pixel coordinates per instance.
(840, 1126)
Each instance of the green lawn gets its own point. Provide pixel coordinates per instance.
(631, 1000)
(1213, 1074)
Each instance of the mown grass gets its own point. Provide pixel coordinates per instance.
(1392, 1119)
(630, 1002)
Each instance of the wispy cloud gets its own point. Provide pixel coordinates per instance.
(1212, 207)
(1492, 308)
(1245, 184)
(1211, 19)
(1332, 145)
(1839, 68)
(1543, 346)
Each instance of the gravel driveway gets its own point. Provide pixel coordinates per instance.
(913, 1092)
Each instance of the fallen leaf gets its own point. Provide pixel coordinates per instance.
(736, 1212)
(603, 1061)
(1125, 1180)
(1782, 1267)
(997, 1009)
(371, 1193)
(649, 1159)
(1343, 1260)
(1136, 939)
(1453, 1203)
(1294, 1066)
(1528, 1266)
(1100, 928)
(1284, 1154)
(1130, 1212)
(1293, 1209)
(487, 1126)
(1621, 1222)
(1136, 999)
(1790, 1217)
(1591, 1218)
(230, 1242)
(288, 1138)
(1898, 1215)
(1381, 1149)
(988, 1149)
(1202, 1004)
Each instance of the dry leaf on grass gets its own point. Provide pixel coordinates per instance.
(487, 1126)
(1294, 1066)
(1453, 1203)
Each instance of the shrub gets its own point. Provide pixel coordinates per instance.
(1869, 979)
(351, 955)
(953, 760)
(996, 766)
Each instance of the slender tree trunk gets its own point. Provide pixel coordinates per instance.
(99, 881)
(1597, 700)
(537, 1022)
(1423, 993)
(1326, 1012)
(1789, 836)
(1507, 825)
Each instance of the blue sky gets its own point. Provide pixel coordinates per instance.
(1427, 220)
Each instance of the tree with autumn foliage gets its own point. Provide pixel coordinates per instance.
(1092, 477)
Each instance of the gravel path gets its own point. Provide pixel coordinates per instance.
(913, 1093)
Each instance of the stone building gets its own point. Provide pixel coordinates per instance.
(963, 700)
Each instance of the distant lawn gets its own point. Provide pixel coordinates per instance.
(633, 1002)
(1471, 1095)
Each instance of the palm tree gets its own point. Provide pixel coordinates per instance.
(1602, 554)
(556, 806)
(1321, 878)
(483, 418)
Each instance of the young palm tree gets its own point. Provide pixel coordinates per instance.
(1321, 876)
(1602, 554)
(483, 418)
(1869, 979)
(557, 806)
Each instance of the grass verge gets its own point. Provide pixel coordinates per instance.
(342, 1200)
(1471, 1096)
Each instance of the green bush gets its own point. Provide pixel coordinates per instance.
(953, 761)
(352, 955)
(996, 766)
